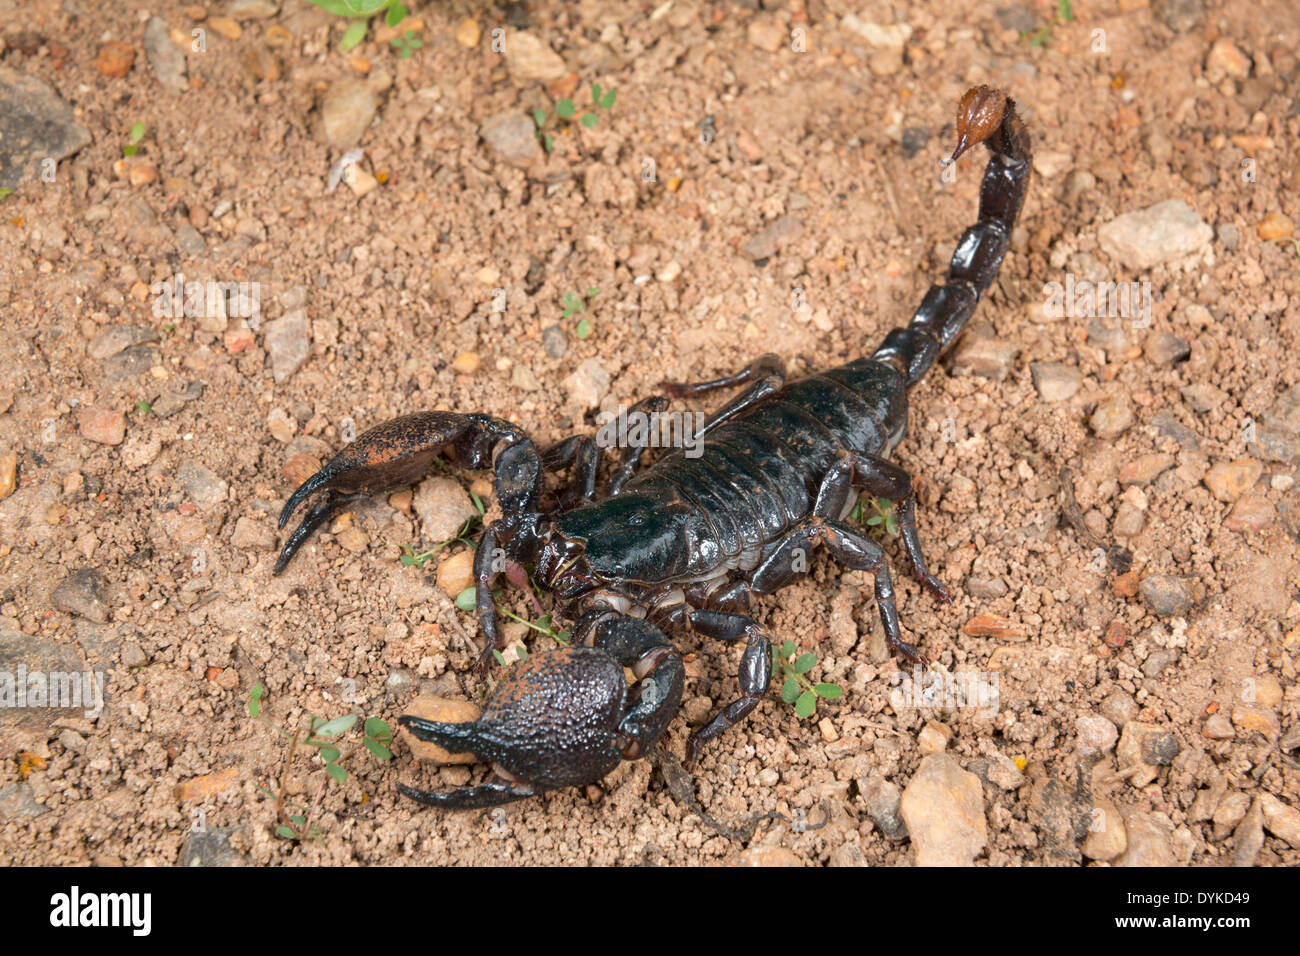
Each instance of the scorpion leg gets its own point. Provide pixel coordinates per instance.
(767, 373)
(851, 549)
(583, 454)
(629, 458)
(755, 670)
(317, 516)
(884, 479)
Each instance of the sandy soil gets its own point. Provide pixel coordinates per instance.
(1196, 669)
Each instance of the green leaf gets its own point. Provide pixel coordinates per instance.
(563, 637)
(395, 15)
(255, 700)
(875, 520)
(828, 691)
(337, 772)
(539, 117)
(337, 725)
(378, 749)
(6, 192)
(584, 329)
(549, 143)
(805, 663)
(787, 648)
(589, 120)
(354, 34)
(467, 599)
(377, 728)
(265, 791)
(478, 504)
(298, 818)
(130, 150)
(806, 704)
(607, 101)
(595, 93)
(137, 132)
(284, 831)
(329, 752)
(565, 109)
(501, 658)
(521, 652)
(790, 690)
(1065, 10)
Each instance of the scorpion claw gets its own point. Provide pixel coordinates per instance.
(936, 588)
(564, 717)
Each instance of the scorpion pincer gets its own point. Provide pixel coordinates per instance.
(686, 541)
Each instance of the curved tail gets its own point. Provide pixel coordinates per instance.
(988, 116)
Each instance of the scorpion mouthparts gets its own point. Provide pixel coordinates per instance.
(979, 115)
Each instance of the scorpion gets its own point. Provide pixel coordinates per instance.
(684, 542)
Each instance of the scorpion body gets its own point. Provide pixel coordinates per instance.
(687, 541)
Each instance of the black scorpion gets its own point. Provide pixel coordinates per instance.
(686, 541)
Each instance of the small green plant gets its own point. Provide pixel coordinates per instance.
(5, 193)
(412, 558)
(360, 12)
(584, 329)
(796, 688)
(1043, 35)
(406, 44)
(143, 407)
(136, 134)
(885, 518)
(566, 110)
(577, 302)
(521, 653)
(319, 734)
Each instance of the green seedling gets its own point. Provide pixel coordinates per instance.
(324, 736)
(566, 110)
(577, 302)
(143, 407)
(884, 517)
(136, 134)
(360, 13)
(406, 44)
(5, 193)
(796, 688)
(1043, 35)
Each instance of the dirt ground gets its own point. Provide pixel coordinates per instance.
(157, 450)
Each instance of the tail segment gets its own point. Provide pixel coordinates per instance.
(987, 116)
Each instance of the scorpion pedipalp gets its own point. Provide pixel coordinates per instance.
(565, 716)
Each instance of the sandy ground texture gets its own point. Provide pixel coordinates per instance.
(766, 179)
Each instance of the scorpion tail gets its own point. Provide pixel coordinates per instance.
(984, 116)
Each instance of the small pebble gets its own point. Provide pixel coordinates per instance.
(104, 425)
(467, 363)
(456, 573)
(1230, 480)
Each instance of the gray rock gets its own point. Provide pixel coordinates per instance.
(1161, 233)
(117, 338)
(1019, 18)
(346, 112)
(1165, 348)
(513, 136)
(210, 846)
(443, 507)
(190, 241)
(1166, 424)
(170, 402)
(1160, 749)
(1137, 749)
(165, 57)
(1095, 735)
(131, 363)
(1104, 336)
(1229, 236)
(943, 807)
(24, 654)
(1112, 417)
(1055, 382)
(989, 358)
(1119, 708)
(1061, 814)
(763, 245)
(84, 593)
(1150, 840)
(587, 384)
(1180, 15)
(201, 485)
(17, 802)
(985, 588)
(288, 341)
(1157, 662)
(556, 341)
(35, 125)
(883, 803)
(1166, 595)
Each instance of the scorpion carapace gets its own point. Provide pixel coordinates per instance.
(686, 541)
